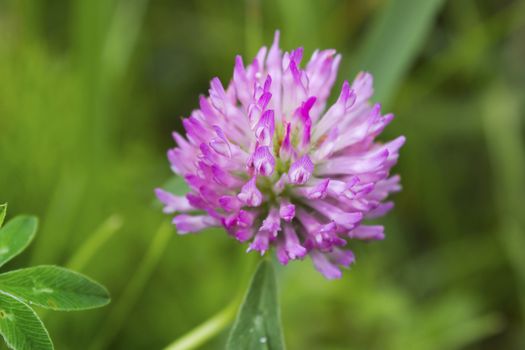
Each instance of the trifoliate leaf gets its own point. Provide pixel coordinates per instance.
(15, 236)
(21, 327)
(55, 288)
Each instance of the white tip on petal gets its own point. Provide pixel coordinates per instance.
(250, 195)
(301, 170)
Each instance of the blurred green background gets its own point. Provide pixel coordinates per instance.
(91, 90)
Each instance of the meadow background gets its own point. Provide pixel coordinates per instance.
(90, 91)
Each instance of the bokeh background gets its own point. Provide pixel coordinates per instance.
(90, 91)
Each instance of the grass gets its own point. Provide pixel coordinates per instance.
(91, 90)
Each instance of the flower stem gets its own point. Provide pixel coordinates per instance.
(218, 322)
(206, 330)
(135, 288)
(88, 249)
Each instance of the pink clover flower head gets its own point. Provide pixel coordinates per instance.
(269, 161)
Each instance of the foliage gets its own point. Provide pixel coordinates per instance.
(258, 324)
(91, 89)
(48, 287)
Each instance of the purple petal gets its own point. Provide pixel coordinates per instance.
(265, 128)
(367, 233)
(263, 161)
(324, 266)
(287, 211)
(172, 203)
(301, 170)
(272, 223)
(249, 194)
(317, 191)
(230, 203)
(261, 242)
(188, 223)
(289, 247)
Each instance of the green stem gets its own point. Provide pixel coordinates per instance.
(207, 330)
(218, 322)
(132, 292)
(88, 249)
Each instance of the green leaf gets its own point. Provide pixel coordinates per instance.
(3, 209)
(21, 327)
(258, 324)
(15, 236)
(55, 288)
(394, 41)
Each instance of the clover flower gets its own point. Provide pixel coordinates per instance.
(269, 161)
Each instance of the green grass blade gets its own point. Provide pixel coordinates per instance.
(106, 230)
(394, 42)
(21, 327)
(121, 38)
(3, 210)
(258, 324)
(59, 219)
(55, 288)
(15, 236)
(134, 289)
(199, 335)
(503, 123)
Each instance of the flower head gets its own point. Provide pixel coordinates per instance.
(269, 161)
